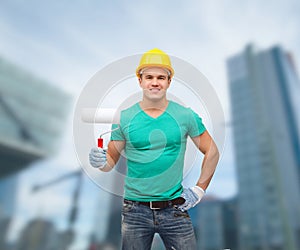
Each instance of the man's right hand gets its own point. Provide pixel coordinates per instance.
(97, 157)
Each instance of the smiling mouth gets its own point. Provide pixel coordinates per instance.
(155, 89)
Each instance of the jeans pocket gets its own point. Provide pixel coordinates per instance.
(179, 213)
(127, 206)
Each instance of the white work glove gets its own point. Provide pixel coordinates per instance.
(192, 197)
(97, 157)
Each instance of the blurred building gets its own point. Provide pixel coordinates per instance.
(230, 224)
(41, 234)
(33, 114)
(4, 228)
(8, 190)
(266, 141)
(32, 117)
(208, 224)
(111, 234)
(215, 223)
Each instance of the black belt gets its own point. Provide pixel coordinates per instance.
(159, 204)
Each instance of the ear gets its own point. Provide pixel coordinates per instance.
(140, 80)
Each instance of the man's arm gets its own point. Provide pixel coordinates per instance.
(207, 146)
(114, 150)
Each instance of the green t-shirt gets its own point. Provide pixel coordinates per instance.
(155, 149)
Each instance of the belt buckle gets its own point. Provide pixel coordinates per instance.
(153, 208)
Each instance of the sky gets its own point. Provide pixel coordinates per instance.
(67, 42)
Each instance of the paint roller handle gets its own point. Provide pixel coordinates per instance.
(97, 156)
(100, 142)
(100, 139)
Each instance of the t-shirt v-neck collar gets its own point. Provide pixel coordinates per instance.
(151, 117)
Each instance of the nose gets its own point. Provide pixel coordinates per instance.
(154, 82)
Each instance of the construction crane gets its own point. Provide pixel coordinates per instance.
(72, 216)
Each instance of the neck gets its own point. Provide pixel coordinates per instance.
(147, 104)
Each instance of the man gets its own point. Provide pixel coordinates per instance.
(153, 134)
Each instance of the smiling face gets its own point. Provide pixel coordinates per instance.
(154, 81)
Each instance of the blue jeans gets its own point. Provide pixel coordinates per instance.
(140, 223)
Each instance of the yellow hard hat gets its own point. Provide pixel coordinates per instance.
(155, 58)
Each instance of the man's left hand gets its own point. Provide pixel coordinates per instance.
(192, 197)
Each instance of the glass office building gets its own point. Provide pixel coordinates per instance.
(32, 116)
(210, 229)
(8, 190)
(264, 89)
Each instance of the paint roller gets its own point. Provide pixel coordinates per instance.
(104, 116)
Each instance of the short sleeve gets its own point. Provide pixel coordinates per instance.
(116, 134)
(196, 127)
